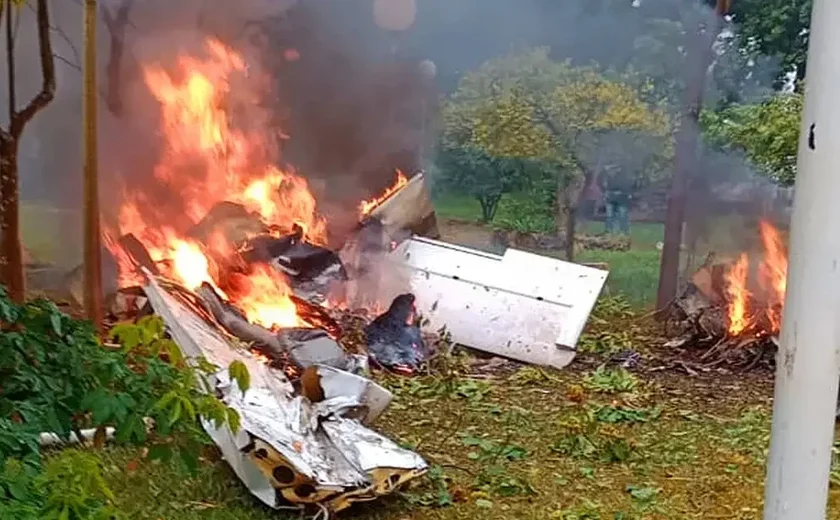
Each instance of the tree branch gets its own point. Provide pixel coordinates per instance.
(72, 65)
(63, 36)
(47, 93)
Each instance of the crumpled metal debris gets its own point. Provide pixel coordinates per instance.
(394, 340)
(290, 451)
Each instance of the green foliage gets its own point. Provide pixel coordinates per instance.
(470, 390)
(70, 486)
(588, 437)
(610, 414)
(493, 458)
(438, 494)
(472, 171)
(76, 489)
(608, 381)
(767, 133)
(525, 105)
(56, 376)
(529, 211)
(777, 28)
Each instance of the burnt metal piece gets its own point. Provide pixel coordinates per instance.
(394, 340)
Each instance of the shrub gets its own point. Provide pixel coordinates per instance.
(57, 376)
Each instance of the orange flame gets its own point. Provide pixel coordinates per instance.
(211, 153)
(775, 265)
(366, 206)
(772, 279)
(265, 299)
(736, 289)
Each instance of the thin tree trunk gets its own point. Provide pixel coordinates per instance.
(571, 223)
(686, 145)
(93, 246)
(570, 197)
(11, 256)
(11, 251)
(11, 260)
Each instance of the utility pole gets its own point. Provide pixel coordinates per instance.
(796, 487)
(93, 251)
(685, 160)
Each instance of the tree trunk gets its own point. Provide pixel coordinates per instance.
(489, 205)
(116, 24)
(571, 223)
(11, 251)
(686, 145)
(93, 246)
(568, 196)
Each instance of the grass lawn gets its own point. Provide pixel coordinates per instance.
(583, 443)
(633, 274)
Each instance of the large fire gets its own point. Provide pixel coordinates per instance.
(758, 312)
(208, 158)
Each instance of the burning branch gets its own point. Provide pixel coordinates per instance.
(723, 306)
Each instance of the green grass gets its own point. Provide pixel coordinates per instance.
(633, 274)
(449, 206)
(535, 445)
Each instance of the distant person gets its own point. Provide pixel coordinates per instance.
(618, 186)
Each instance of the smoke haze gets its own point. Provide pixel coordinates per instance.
(355, 101)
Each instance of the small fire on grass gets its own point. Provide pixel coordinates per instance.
(733, 310)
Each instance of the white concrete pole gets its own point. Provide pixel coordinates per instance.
(807, 370)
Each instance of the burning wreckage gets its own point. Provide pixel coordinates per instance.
(304, 438)
(239, 269)
(732, 310)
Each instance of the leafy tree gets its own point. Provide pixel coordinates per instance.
(767, 133)
(778, 28)
(526, 105)
(583, 114)
(491, 144)
(11, 251)
(472, 171)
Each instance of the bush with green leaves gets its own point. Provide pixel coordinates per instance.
(57, 376)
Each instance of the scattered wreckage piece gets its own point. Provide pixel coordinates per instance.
(394, 339)
(409, 210)
(289, 450)
(520, 305)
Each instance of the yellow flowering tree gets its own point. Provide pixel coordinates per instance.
(557, 116)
